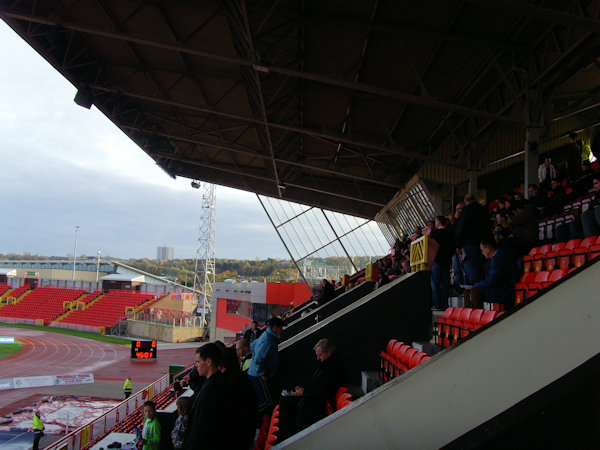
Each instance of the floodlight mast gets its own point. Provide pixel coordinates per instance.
(204, 270)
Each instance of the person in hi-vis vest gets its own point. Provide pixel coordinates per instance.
(38, 429)
(127, 387)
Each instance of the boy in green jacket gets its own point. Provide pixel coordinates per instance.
(151, 432)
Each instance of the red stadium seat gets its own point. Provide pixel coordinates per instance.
(487, 317)
(521, 286)
(550, 260)
(564, 258)
(594, 251)
(580, 256)
(465, 322)
(588, 241)
(572, 244)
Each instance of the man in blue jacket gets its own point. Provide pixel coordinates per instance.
(500, 274)
(265, 363)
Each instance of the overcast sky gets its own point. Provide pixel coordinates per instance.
(63, 165)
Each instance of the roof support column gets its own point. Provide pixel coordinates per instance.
(531, 156)
(474, 168)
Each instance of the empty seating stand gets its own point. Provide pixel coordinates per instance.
(3, 288)
(45, 303)
(109, 309)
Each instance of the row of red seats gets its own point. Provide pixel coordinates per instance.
(267, 436)
(564, 255)
(3, 288)
(398, 358)
(17, 292)
(532, 282)
(45, 303)
(457, 323)
(109, 309)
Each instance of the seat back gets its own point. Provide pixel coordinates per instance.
(572, 244)
(541, 276)
(475, 318)
(545, 248)
(588, 241)
(580, 256)
(390, 345)
(401, 351)
(558, 246)
(550, 260)
(487, 317)
(557, 274)
(594, 251)
(408, 357)
(465, 314)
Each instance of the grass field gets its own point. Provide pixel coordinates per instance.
(9, 349)
(81, 334)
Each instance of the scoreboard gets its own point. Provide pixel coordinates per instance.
(143, 350)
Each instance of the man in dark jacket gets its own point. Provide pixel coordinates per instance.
(557, 201)
(500, 274)
(440, 271)
(326, 293)
(472, 225)
(311, 399)
(209, 422)
(524, 227)
(252, 333)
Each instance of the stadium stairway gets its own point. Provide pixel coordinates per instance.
(400, 309)
(526, 380)
(294, 327)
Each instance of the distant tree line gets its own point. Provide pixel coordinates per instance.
(182, 270)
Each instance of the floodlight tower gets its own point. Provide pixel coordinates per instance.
(204, 272)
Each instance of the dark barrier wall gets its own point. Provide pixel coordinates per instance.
(296, 313)
(399, 310)
(339, 302)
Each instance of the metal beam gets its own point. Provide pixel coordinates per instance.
(332, 81)
(216, 167)
(539, 12)
(255, 153)
(301, 130)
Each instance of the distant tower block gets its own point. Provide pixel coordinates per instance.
(164, 253)
(204, 272)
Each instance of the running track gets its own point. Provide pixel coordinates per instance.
(47, 353)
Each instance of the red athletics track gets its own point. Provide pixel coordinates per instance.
(48, 353)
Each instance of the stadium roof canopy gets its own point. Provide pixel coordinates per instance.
(335, 104)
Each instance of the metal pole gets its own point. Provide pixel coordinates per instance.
(98, 267)
(75, 254)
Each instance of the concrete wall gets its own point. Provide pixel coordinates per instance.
(60, 274)
(187, 305)
(223, 335)
(161, 332)
(474, 381)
